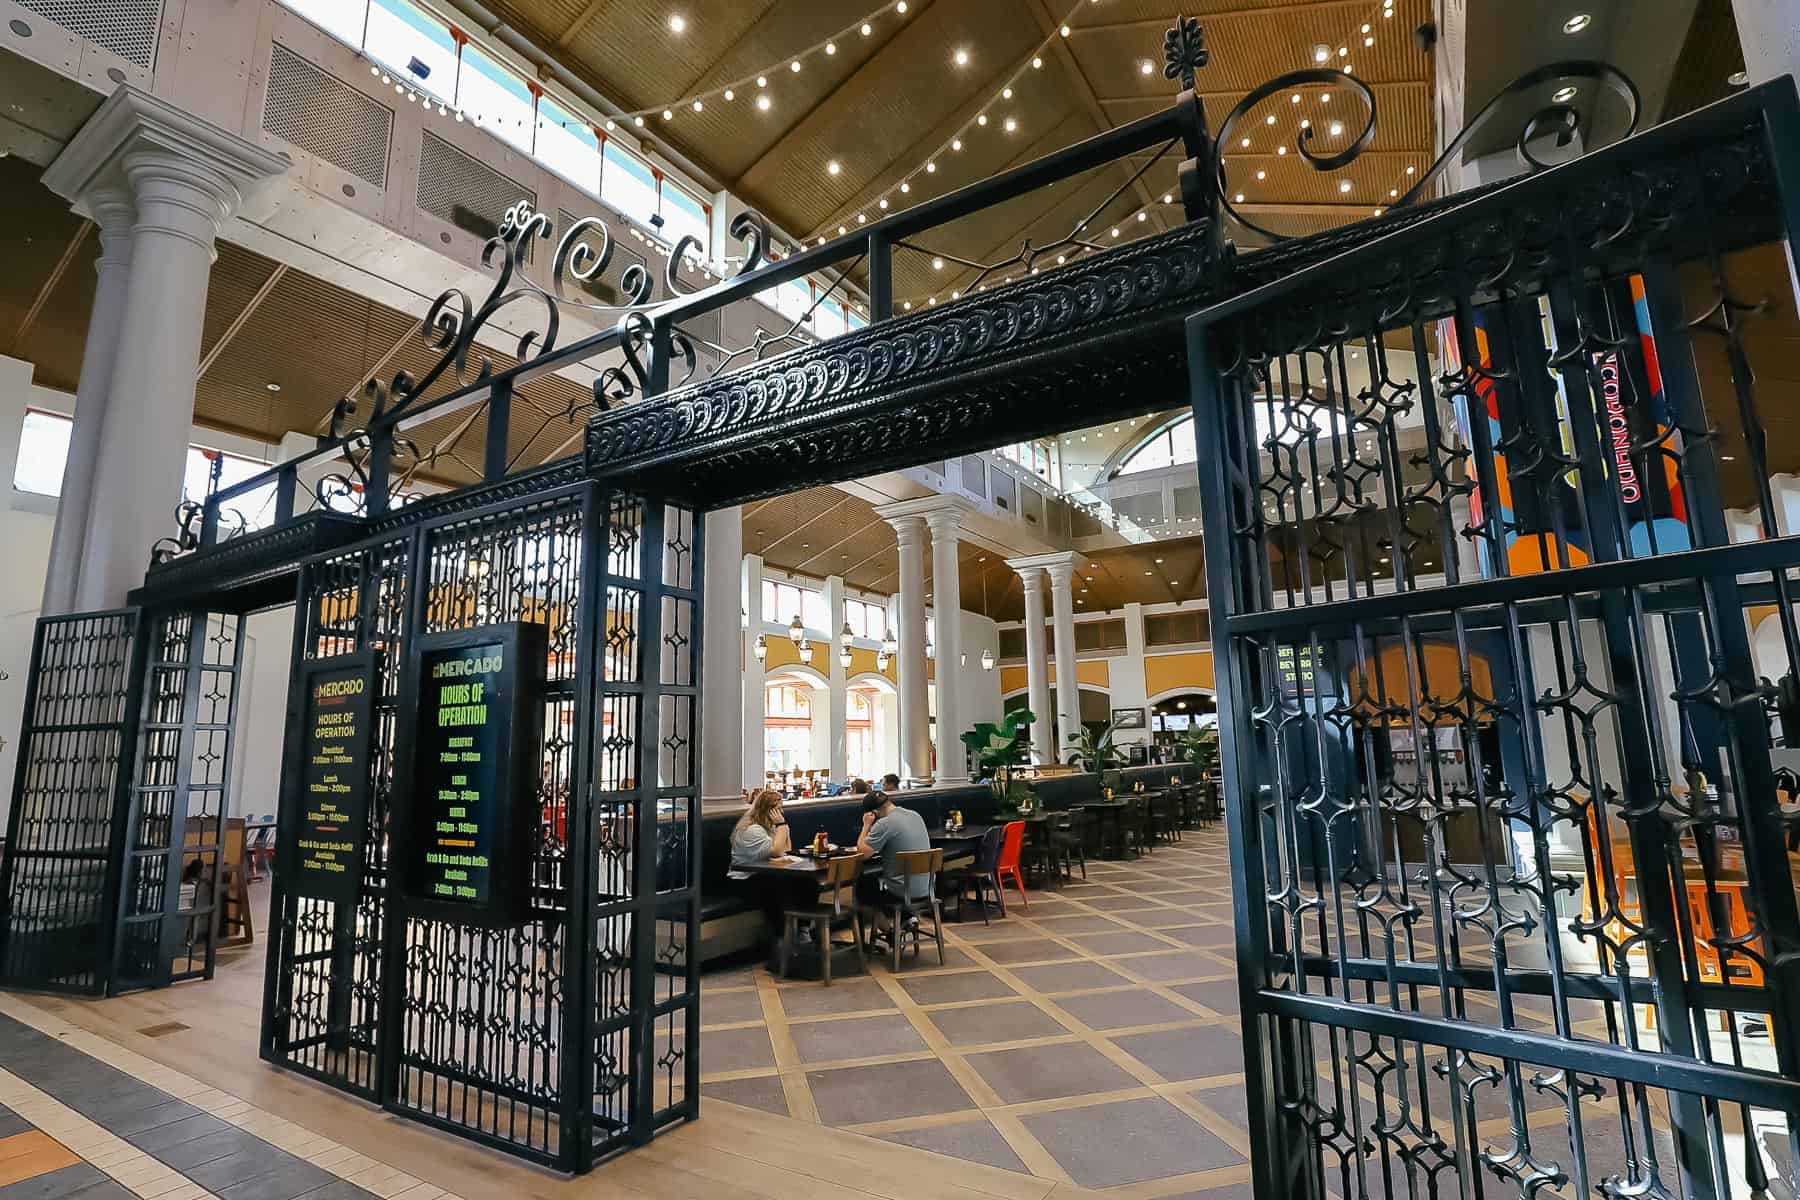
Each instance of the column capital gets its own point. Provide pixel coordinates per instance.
(1060, 567)
(908, 528)
(1031, 575)
(934, 510)
(135, 142)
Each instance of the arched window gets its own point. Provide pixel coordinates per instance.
(1170, 446)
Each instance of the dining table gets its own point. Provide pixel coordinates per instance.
(1106, 815)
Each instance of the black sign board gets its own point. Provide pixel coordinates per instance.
(474, 713)
(328, 796)
(1294, 668)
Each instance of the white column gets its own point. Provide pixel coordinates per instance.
(910, 678)
(1127, 680)
(1769, 31)
(1068, 688)
(1037, 667)
(837, 701)
(753, 698)
(1786, 492)
(113, 213)
(722, 654)
(187, 178)
(946, 613)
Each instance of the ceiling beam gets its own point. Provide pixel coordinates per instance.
(324, 423)
(242, 319)
(868, 64)
(885, 550)
(1084, 91)
(915, 153)
(842, 500)
(709, 76)
(580, 23)
(851, 537)
(76, 241)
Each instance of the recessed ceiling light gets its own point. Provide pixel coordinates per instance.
(1321, 53)
(1012, 126)
(762, 102)
(1006, 93)
(677, 23)
(962, 58)
(831, 47)
(794, 66)
(729, 95)
(937, 264)
(1146, 67)
(1343, 185)
(1563, 95)
(1738, 78)
(1336, 128)
(867, 29)
(1578, 22)
(272, 386)
(832, 167)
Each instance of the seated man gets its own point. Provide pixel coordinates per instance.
(890, 783)
(888, 830)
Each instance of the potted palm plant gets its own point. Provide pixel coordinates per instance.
(1094, 750)
(997, 750)
(1200, 747)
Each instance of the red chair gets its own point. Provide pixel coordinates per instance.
(1008, 868)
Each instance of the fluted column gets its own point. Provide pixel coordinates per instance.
(186, 178)
(754, 698)
(909, 662)
(1037, 666)
(946, 614)
(113, 213)
(1068, 689)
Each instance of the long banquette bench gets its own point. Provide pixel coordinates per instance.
(730, 919)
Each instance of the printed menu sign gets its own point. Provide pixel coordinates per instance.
(473, 791)
(1294, 668)
(325, 856)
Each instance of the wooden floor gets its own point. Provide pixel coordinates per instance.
(209, 1031)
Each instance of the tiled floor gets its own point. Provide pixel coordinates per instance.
(1091, 1039)
(75, 1127)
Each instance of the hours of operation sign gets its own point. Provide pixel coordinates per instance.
(325, 849)
(473, 795)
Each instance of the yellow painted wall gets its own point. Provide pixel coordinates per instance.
(1168, 672)
(1013, 679)
(1096, 672)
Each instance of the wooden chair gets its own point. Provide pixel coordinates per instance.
(1008, 866)
(982, 875)
(840, 881)
(910, 865)
(1164, 822)
(235, 924)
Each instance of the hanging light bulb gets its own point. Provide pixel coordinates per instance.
(881, 661)
(844, 658)
(806, 653)
(761, 648)
(964, 659)
(846, 635)
(931, 651)
(987, 659)
(796, 631)
(889, 646)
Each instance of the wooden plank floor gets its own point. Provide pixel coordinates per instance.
(209, 1031)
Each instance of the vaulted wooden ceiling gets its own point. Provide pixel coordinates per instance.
(885, 104)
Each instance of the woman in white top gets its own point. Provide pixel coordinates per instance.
(762, 831)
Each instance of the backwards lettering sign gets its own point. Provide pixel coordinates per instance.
(476, 720)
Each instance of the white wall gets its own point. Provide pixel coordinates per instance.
(26, 522)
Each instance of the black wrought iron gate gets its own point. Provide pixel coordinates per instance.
(567, 1037)
(115, 837)
(1505, 705)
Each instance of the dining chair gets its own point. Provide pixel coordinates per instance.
(825, 917)
(1008, 866)
(1068, 836)
(909, 914)
(982, 874)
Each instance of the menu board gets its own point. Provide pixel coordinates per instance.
(476, 718)
(329, 795)
(1294, 668)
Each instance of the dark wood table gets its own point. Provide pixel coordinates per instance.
(1106, 817)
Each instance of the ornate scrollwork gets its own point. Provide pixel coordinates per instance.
(1302, 143)
(1557, 118)
(1185, 52)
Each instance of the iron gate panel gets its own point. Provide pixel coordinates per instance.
(171, 899)
(1515, 906)
(322, 990)
(59, 884)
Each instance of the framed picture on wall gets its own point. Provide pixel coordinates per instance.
(1129, 718)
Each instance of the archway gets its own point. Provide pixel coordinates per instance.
(796, 738)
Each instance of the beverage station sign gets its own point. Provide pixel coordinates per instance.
(475, 716)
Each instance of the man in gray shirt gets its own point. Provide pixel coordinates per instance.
(888, 830)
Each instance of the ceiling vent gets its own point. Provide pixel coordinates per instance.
(128, 28)
(455, 187)
(327, 118)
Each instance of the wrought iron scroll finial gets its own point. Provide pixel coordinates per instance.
(1184, 51)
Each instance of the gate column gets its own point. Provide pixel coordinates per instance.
(186, 177)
